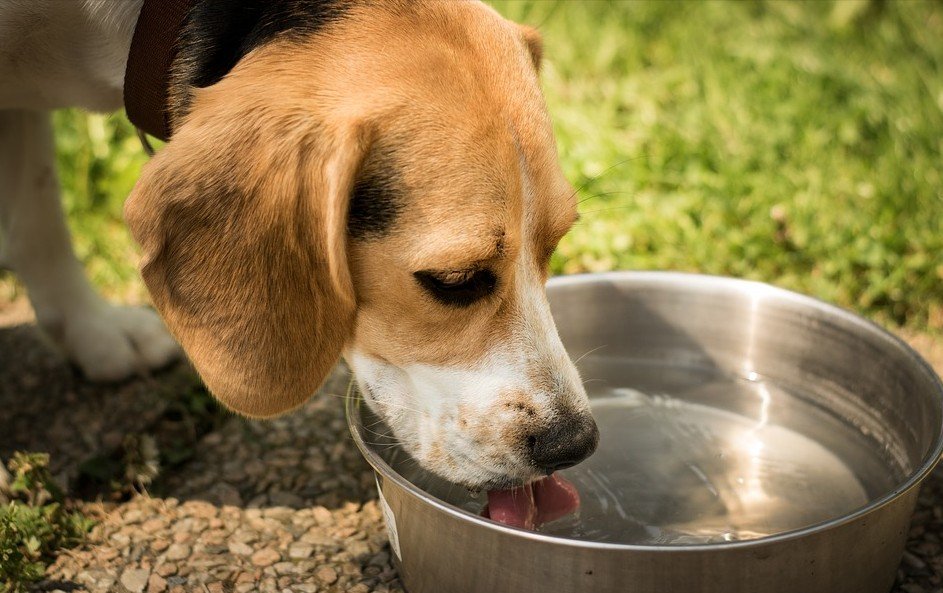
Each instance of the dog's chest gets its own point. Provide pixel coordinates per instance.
(64, 53)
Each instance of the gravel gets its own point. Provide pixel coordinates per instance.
(273, 506)
(229, 548)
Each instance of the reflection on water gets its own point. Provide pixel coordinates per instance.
(673, 469)
(678, 472)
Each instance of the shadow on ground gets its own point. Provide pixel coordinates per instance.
(236, 505)
(205, 453)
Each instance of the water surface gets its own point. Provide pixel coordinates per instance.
(688, 456)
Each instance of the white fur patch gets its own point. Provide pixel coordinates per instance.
(453, 420)
(64, 53)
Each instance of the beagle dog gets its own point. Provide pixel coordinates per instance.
(373, 180)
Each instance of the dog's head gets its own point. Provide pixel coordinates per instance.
(387, 190)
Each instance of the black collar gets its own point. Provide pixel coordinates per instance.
(147, 76)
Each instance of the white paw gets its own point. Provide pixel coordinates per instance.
(111, 343)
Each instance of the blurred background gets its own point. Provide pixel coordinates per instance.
(798, 143)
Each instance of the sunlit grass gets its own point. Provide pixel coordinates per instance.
(784, 142)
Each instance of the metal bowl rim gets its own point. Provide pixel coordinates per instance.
(914, 480)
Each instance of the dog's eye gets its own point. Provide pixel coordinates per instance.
(459, 289)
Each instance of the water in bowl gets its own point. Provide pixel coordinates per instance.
(690, 456)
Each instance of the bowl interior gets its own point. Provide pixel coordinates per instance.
(728, 410)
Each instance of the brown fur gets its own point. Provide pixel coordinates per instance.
(241, 217)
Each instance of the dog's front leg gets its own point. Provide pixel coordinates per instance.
(108, 343)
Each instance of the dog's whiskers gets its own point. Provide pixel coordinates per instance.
(385, 404)
(595, 178)
(588, 352)
(383, 435)
(603, 194)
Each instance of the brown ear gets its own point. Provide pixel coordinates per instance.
(534, 43)
(242, 222)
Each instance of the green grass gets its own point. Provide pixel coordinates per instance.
(755, 139)
(34, 524)
(784, 142)
(99, 158)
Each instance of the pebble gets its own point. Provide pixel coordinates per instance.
(245, 577)
(265, 557)
(165, 569)
(153, 525)
(327, 575)
(182, 537)
(199, 508)
(225, 494)
(135, 579)
(283, 568)
(380, 559)
(300, 551)
(177, 552)
(322, 516)
(131, 517)
(912, 560)
(156, 584)
(358, 548)
(240, 549)
(107, 553)
(286, 499)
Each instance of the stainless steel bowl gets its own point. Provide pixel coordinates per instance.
(853, 377)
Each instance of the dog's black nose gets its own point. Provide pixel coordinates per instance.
(565, 443)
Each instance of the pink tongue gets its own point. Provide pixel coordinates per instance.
(529, 506)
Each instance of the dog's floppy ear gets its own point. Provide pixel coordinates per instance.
(242, 222)
(534, 43)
